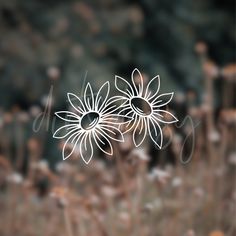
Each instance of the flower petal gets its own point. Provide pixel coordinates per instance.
(62, 132)
(123, 86)
(164, 116)
(102, 142)
(140, 132)
(86, 148)
(131, 124)
(76, 103)
(109, 109)
(115, 99)
(71, 141)
(125, 110)
(68, 116)
(101, 97)
(137, 80)
(155, 132)
(116, 119)
(88, 97)
(112, 105)
(162, 99)
(152, 88)
(112, 132)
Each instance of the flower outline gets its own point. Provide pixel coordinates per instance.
(100, 131)
(145, 122)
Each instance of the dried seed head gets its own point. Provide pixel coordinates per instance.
(228, 116)
(210, 69)
(216, 233)
(60, 195)
(53, 73)
(229, 71)
(201, 48)
(214, 136)
(15, 178)
(190, 233)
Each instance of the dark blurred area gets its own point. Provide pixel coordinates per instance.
(108, 37)
(51, 47)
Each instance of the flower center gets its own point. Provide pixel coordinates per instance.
(89, 120)
(140, 106)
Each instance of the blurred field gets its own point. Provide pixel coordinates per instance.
(49, 48)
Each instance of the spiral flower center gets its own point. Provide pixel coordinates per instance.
(140, 106)
(89, 120)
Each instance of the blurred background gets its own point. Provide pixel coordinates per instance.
(49, 48)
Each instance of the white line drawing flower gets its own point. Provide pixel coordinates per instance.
(145, 107)
(92, 123)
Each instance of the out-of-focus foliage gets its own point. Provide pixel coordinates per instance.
(107, 37)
